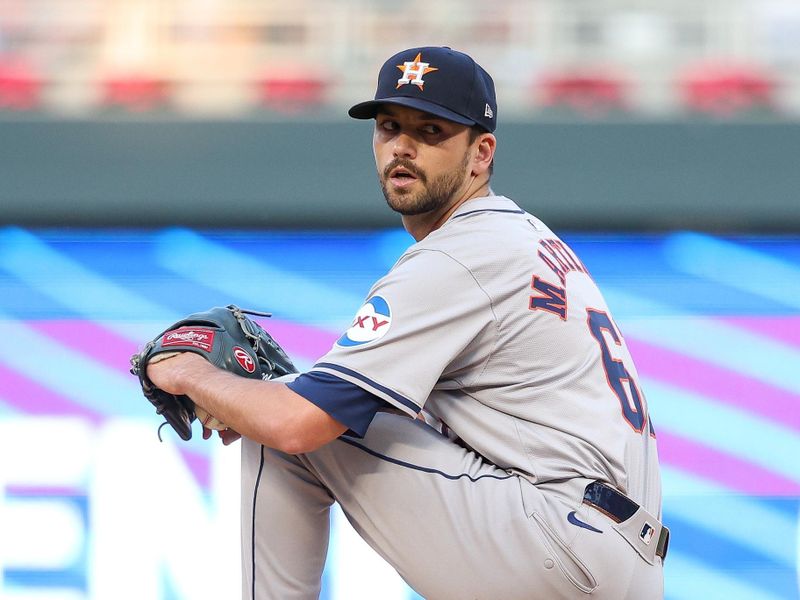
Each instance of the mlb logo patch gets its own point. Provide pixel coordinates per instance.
(646, 534)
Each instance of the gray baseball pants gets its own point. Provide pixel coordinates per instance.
(454, 526)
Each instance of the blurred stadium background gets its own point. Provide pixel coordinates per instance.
(161, 156)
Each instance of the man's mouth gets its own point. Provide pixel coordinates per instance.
(401, 177)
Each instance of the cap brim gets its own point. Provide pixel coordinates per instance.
(368, 109)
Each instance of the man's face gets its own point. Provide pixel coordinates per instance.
(422, 160)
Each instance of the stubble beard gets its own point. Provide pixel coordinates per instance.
(433, 196)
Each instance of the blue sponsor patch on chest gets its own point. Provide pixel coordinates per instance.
(371, 323)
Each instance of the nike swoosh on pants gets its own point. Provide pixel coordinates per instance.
(576, 521)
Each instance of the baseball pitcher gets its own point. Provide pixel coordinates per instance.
(480, 423)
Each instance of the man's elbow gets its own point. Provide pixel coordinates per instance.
(290, 438)
(302, 435)
(301, 444)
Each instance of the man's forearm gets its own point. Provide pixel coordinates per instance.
(264, 411)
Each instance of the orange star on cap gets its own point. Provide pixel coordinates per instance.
(413, 72)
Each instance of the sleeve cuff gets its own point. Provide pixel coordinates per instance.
(346, 402)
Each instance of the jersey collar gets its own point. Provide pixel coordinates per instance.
(487, 204)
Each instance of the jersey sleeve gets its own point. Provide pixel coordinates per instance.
(349, 404)
(415, 323)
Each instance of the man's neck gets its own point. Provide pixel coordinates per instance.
(419, 226)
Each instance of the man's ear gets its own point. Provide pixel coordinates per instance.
(484, 154)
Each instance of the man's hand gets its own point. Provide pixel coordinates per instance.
(228, 436)
(172, 374)
(231, 344)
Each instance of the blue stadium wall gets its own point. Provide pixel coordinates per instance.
(266, 173)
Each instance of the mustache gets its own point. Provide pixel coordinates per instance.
(407, 165)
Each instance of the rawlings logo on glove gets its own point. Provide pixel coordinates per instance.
(194, 336)
(227, 338)
(244, 360)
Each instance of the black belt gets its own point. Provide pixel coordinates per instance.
(619, 508)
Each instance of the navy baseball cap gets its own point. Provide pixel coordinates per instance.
(437, 80)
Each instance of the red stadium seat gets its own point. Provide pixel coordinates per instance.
(586, 93)
(20, 86)
(135, 92)
(725, 90)
(291, 91)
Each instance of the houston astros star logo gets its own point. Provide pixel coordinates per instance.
(413, 71)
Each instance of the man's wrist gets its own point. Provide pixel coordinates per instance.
(190, 370)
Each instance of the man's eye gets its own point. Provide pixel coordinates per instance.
(388, 125)
(431, 129)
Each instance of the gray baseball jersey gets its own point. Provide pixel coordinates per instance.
(493, 329)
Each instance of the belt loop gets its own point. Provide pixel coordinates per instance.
(663, 543)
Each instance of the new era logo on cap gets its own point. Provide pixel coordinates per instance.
(437, 80)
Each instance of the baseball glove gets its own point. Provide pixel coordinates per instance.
(227, 338)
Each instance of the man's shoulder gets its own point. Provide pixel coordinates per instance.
(484, 224)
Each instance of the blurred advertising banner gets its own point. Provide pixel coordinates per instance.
(93, 506)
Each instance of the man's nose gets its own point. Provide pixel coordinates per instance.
(404, 146)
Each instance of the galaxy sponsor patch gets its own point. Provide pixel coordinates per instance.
(372, 322)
